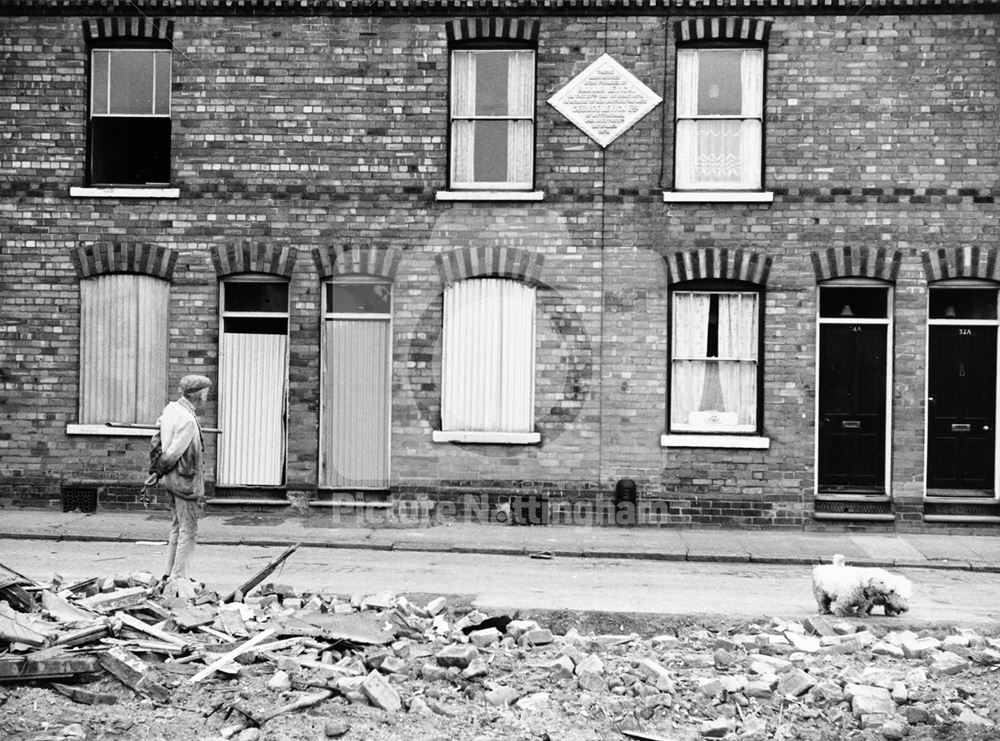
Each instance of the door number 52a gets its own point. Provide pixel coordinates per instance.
(965, 332)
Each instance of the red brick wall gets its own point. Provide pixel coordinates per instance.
(881, 131)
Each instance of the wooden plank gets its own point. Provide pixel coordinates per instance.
(14, 632)
(85, 697)
(190, 618)
(134, 673)
(136, 624)
(65, 666)
(120, 599)
(226, 658)
(83, 636)
(249, 585)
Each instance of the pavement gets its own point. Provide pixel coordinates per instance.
(900, 550)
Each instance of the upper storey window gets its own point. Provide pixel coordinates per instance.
(720, 97)
(492, 118)
(719, 108)
(129, 133)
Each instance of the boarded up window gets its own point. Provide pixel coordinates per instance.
(488, 357)
(123, 348)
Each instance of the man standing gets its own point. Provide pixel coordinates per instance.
(182, 470)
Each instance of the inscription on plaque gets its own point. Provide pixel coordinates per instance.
(605, 100)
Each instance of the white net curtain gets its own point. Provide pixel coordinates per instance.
(714, 367)
(719, 118)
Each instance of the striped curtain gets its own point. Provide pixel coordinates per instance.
(354, 431)
(251, 450)
(123, 348)
(488, 357)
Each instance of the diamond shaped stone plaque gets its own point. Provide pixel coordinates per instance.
(605, 100)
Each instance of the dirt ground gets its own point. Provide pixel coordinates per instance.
(711, 686)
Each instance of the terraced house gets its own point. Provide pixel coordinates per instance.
(438, 255)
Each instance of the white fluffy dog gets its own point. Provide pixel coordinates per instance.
(852, 590)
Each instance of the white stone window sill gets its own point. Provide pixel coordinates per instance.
(123, 192)
(105, 431)
(744, 442)
(495, 438)
(490, 195)
(717, 196)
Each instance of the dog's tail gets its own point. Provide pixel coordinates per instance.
(838, 559)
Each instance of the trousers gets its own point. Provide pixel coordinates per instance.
(183, 533)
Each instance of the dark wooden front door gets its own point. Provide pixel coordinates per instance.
(852, 384)
(961, 407)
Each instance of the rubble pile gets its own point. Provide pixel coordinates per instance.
(124, 658)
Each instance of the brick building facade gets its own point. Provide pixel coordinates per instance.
(296, 200)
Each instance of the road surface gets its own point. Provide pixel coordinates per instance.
(517, 582)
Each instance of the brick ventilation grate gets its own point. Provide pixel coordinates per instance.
(962, 509)
(834, 506)
(240, 492)
(83, 498)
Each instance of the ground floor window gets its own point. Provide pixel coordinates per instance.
(123, 348)
(715, 359)
(488, 356)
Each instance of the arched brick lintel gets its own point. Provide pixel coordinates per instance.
(254, 258)
(350, 260)
(492, 29)
(961, 262)
(719, 264)
(701, 30)
(104, 258)
(504, 262)
(134, 27)
(879, 263)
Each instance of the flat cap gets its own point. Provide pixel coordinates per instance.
(192, 383)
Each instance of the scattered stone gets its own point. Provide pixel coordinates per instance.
(249, 734)
(485, 637)
(807, 644)
(718, 728)
(501, 696)
(795, 683)
(280, 682)
(946, 662)
(656, 674)
(893, 730)
(336, 728)
(665, 641)
(899, 693)
(457, 655)
(392, 665)
(435, 606)
(590, 665)
(476, 668)
(828, 692)
(917, 648)
(561, 668)
(536, 637)
(380, 693)
(820, 626)
(533, 702)
(517, 628)
(762, 687)
(915, 714)
(419, 707)
(592, 682)
(971, 719)
(884, 648)
(869, 700)
(723, 658)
